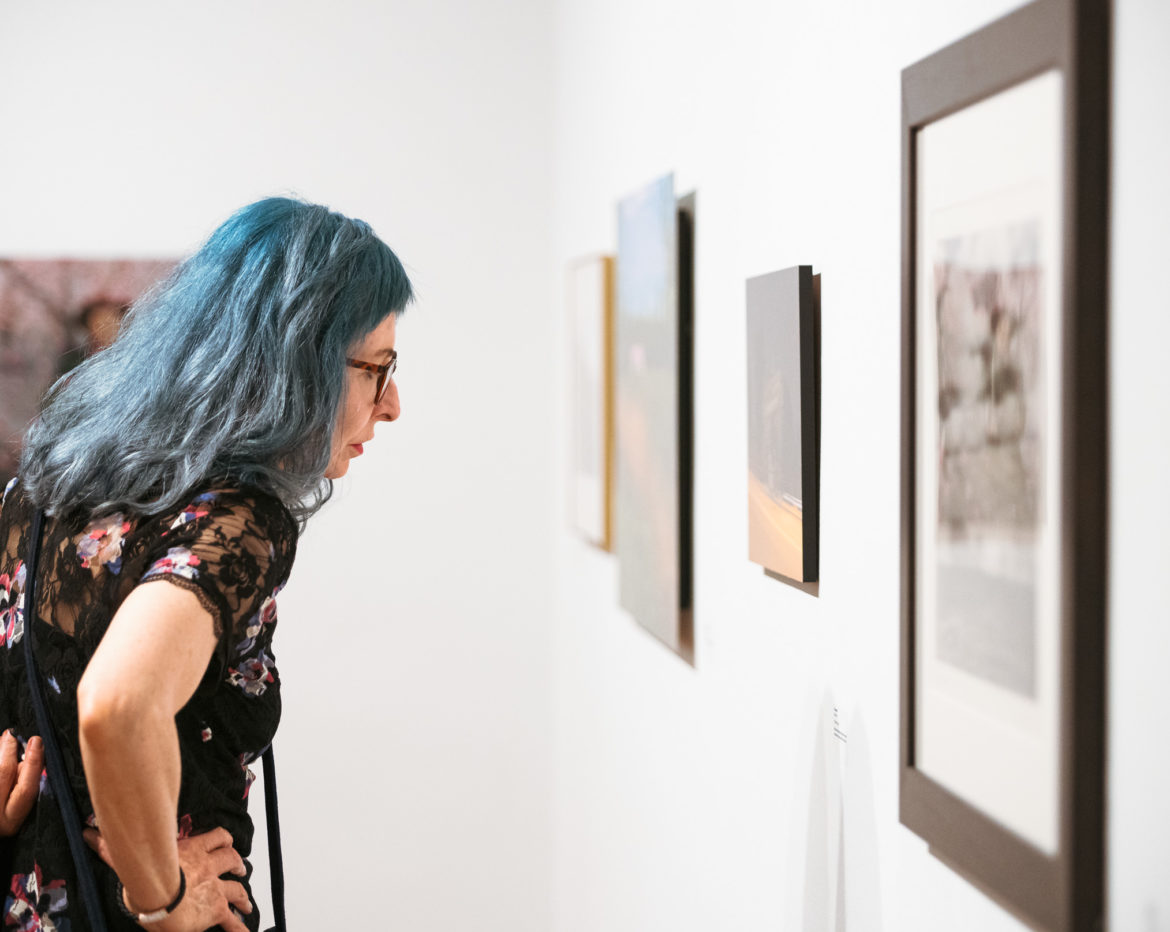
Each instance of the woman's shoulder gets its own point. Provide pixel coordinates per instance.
(235, 542)
(250, 503)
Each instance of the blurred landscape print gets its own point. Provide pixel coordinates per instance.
(647, 527)
(992, 428)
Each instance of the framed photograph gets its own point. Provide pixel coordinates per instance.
(591, 333)
(1005, 170)
(783, 411)
(54, 313)
(655, 412)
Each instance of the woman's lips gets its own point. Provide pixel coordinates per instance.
(357, 447)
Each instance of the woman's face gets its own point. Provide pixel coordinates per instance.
(359, 413)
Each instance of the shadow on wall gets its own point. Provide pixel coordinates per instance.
(841, 881)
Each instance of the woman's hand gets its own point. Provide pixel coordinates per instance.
(208, 899)
(20, 781)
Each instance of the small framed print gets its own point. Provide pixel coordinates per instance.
(591, 333)
(782, 366)
(1005, 186)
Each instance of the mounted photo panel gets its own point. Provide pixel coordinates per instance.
(782, 366)
(655, 411)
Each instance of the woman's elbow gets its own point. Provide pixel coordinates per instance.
(105, 709)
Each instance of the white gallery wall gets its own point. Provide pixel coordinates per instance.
(475, 736)
(718, 797)
(1139, 550)
(413, 641)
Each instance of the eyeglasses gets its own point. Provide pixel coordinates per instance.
(384, 372)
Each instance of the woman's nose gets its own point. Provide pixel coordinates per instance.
(390, 407)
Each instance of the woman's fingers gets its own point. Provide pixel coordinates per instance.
(8, 764)
(94, 839)
(28, 781)
(8, 771)
(212, 853)
(20, 781)
(231, 922)
(216, 838)
(227, 860)
(237, 896)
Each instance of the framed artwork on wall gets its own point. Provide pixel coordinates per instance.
(54, 313)
(783, 414)
(1004, 260)
(653, 356)
(590, 288)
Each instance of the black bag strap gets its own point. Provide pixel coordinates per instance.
(275, 858)
(54, 763)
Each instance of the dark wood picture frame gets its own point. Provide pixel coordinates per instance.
(1064, 891)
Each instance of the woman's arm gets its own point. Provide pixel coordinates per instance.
(148, 665)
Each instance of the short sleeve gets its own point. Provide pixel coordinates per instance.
(232, 549)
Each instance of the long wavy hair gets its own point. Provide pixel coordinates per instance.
(232, 370)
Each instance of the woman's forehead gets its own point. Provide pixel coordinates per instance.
(380, 340)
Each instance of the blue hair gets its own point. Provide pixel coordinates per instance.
(231, 371)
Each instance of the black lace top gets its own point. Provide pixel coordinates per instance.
(231, 548)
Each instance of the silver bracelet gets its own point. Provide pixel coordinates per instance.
(155, 915)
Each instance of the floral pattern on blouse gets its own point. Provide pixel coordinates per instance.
(199, 508)
(179, 561)
(100, 544)
(36, 906)
(12, 606)
(254, 674)
(265, 618)
(249, 774)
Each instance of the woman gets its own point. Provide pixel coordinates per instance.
(190, 452)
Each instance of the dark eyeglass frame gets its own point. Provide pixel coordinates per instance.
(384, 372)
